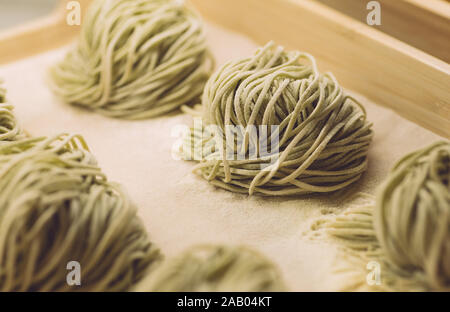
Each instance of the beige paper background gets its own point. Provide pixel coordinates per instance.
(180, 209)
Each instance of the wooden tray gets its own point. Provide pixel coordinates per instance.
(180, 209)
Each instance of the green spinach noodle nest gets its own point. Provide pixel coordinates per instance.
(215, 268)
(323, 135)
(407, 230)
(412, 214)
(9, 128)
(56, 206)
(135, 59)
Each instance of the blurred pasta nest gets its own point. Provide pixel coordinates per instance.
(9, 129)
(135, 59)
(56, 206)
(412, 214)
(272, 124)
(407, 230)
(215, 268)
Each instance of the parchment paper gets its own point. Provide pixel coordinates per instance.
(180, 209)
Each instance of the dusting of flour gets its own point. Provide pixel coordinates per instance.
(180, 209)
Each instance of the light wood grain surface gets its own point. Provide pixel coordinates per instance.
(40, 35)
(424, 24)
